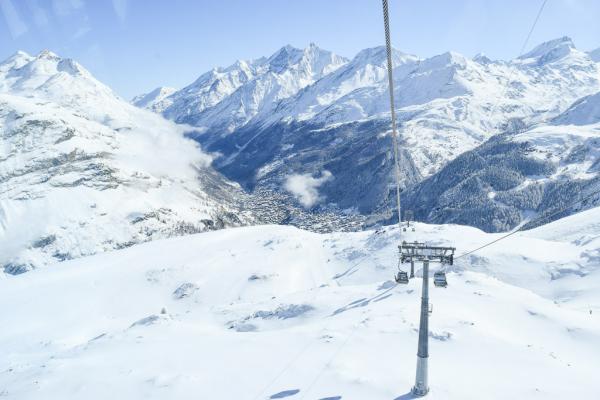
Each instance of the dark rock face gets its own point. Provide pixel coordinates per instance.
(16, 269)
(357, 155)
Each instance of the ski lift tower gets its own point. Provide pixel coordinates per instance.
(411, 252)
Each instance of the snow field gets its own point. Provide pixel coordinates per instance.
(276, 312)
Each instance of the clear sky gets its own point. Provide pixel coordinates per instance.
(137, 45)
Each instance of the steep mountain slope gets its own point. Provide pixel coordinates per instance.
(595, 55)
(338, 126)
(584, 111)
(226, 99)
(520, 176)
(82, 171)
(156, 100)
(274, 312)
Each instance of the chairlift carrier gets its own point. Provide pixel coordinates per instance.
(402, 277)
(414, 252)
(439, 279)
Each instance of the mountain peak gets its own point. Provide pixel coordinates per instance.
(19, 54)
(47, 55)
(286, 50)
(48, 63)
(284, 57)
(481, 58)
(453, 57)
(449, 58)
(378, 56)
(314, 49)
(154, 100)
(159, 91)
(372, 53)
(312, 58)
(549, 51)
(595, 55)
(60, 80)
(17, 60)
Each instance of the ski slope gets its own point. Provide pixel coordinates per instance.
(272, 312)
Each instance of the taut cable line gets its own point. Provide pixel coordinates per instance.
(388, 48)
(522, 228)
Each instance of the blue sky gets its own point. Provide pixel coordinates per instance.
(136, 45)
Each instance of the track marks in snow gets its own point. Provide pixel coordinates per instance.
(363, 302)
(284, 394)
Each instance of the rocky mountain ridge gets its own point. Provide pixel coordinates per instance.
(338, 126)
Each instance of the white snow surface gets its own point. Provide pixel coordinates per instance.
(583, 112)
(156, 100)
(83, 171)
(273, 312)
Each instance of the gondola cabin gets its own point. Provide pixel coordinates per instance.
(402, 277)
(439, 279)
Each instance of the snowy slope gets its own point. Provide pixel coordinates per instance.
(595, 55)
(156, 100)
(584, 111)
(83, 171)
(274, 312)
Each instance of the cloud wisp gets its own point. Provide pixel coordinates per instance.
(305, 187)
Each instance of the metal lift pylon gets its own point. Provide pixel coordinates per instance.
(411, 252)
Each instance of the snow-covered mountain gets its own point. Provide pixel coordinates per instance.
(338, 125)
(522, 176)
(83, 171)
(595, 55)
(448, 103)
(155, 100)
(273, 312)
(227, 98)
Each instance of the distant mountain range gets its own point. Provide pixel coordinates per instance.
(309, 113)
